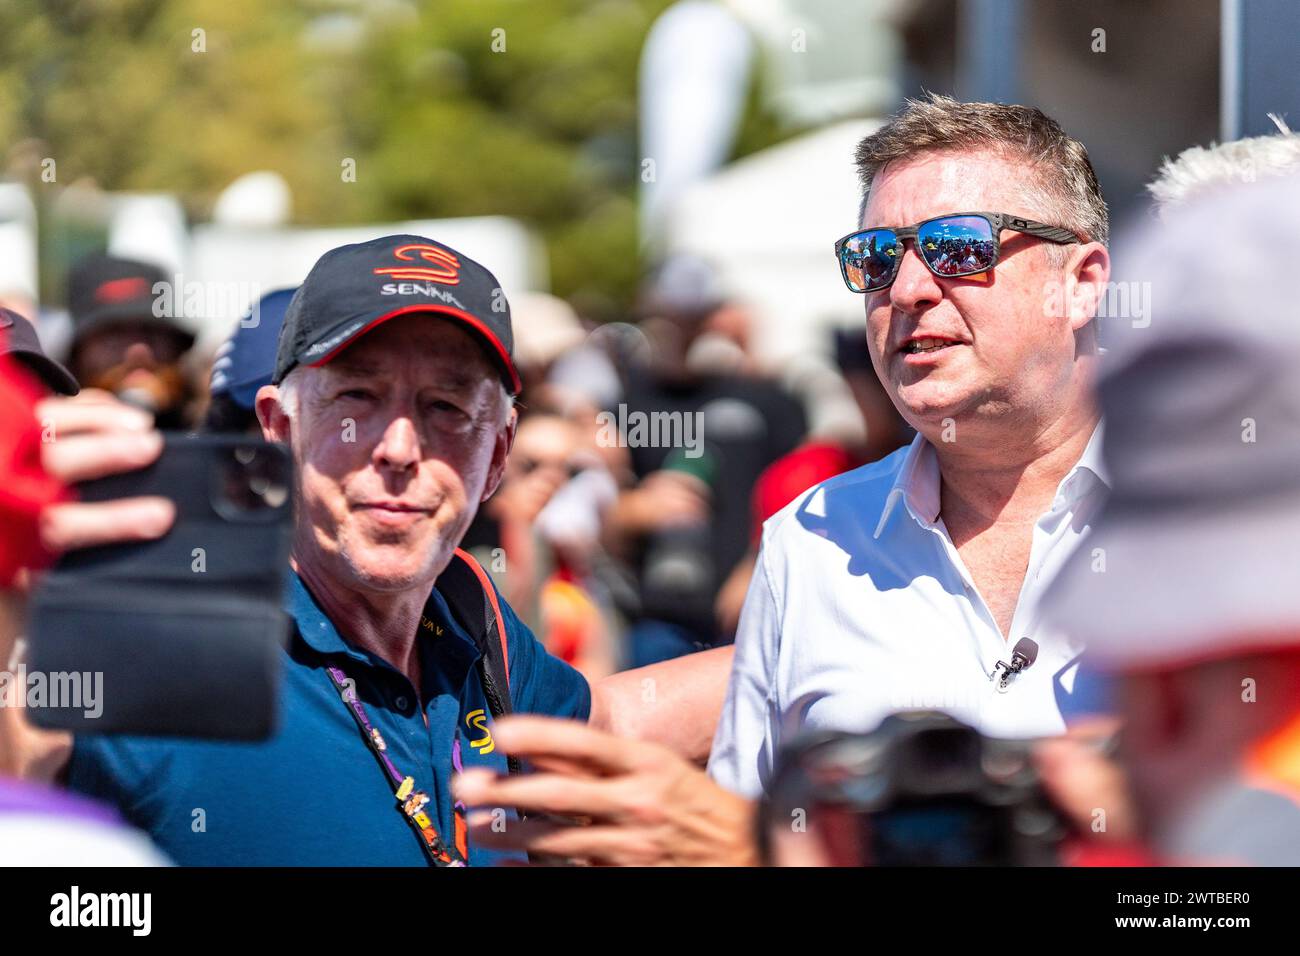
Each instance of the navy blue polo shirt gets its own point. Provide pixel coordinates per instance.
(314, 794)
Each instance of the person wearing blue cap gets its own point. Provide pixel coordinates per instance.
(244, 363)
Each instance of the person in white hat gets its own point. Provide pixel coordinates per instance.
(1188, 590)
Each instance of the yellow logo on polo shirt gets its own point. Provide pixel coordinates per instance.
(477, 719)
(428, 625)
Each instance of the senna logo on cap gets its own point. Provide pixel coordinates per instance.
(446, 266)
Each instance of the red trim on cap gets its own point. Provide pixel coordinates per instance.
(475, 323)
(123, 290)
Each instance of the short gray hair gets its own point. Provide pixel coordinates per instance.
(1203, 168)
(1064, 184)
(290, 395)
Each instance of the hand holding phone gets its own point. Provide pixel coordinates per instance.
(91, 436)
(178, 635)
(85, 437)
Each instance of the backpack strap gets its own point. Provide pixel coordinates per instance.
(469, 593)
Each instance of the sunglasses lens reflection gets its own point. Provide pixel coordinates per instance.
(870, 258)
(957, 245)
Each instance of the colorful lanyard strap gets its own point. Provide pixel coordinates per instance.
(410, 802)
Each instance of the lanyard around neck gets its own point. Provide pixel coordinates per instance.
(411, 803)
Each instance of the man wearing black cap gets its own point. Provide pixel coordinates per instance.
(393, 387)
(18, 339)
(120, 341)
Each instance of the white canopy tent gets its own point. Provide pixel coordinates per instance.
(768, 223)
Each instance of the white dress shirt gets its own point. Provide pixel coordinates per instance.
(861, 606)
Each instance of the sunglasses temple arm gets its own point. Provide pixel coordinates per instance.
(1051, 233)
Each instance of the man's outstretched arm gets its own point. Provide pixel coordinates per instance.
(675, 703)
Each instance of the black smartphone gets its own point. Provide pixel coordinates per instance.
(180, 636)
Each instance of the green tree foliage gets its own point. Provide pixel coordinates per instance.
(448, 107)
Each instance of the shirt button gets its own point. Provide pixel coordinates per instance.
(401, 703)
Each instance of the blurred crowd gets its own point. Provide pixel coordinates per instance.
(648, 453)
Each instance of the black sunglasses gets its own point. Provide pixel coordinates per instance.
(958, 244)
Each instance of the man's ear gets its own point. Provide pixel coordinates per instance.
(505, 440)
(271, 414)
(1086, 278)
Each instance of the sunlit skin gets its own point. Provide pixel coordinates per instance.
(1012, 370)
(1008, 404)
(397, 441)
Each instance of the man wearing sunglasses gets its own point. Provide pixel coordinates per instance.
(980, 257)
(914, 581)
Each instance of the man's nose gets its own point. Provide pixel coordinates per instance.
(915, 288)
(399, 449)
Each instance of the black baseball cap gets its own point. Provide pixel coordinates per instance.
(18, 339)
(352, 289)
(104, 289)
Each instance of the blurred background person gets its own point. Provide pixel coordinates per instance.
(121, 343)
(540, 535)
(698, 429)
(818, 458)
(548, 516)
(243, 364)
(1199, 170)
(18, 340)
(1194, 603)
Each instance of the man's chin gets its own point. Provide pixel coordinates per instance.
(927, 406)
(390, 570)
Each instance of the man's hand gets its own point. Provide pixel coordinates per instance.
(90, 436)
(629, 802)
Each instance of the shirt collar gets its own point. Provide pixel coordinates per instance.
(1072, 486)
(319, 632)
(917, 483)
